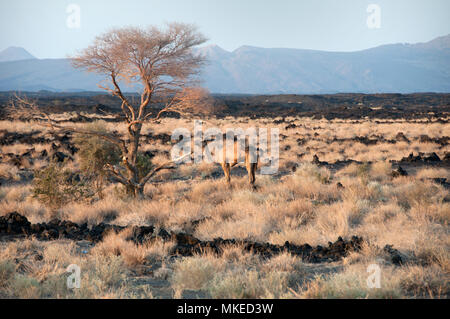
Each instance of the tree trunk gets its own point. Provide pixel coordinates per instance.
(134, 191)
(135, 135)
(133, 175)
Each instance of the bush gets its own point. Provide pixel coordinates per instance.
(7, 270)
(94, 153)
(56, 185)
(308, 170)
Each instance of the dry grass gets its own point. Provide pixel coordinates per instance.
(306, 206)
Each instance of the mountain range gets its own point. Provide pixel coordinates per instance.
(401, 68)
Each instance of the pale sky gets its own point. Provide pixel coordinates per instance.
(332, 25)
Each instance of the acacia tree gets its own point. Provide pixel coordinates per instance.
(161, 62)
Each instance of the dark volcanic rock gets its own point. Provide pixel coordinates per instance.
(164, 234)
(399, 172)
(97, 232)
(279, 121)
(59, 157)
(443, 141)
(365, 140)
(15, 224)
(421, 157)
(292, 125)
(186, 244)
(9, 138)
(396, 257)
(433, 157)
(401, 137)
(162, 138)
(79, 118)
(141, 234)
(431, 106)
(316, 160)
(446, 157)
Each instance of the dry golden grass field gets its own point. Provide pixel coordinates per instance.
(348, 190)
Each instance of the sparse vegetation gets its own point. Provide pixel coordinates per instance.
(94, 153)
(56, 185)
(305, 202)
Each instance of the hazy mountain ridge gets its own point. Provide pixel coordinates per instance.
(390, 68)
(15, 54)
(403, 68)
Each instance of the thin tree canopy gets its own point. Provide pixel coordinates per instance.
(159, 59)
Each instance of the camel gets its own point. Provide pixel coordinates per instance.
(228, 161)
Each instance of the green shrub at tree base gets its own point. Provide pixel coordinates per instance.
(57, 185)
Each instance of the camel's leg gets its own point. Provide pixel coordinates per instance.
(226, 170)
(251, 167)
(251, 170)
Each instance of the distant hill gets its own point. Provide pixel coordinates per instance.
(45, 74)
(402, 68)
(15, 54)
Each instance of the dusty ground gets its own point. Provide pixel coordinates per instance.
(347, 189)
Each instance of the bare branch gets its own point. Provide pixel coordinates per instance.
(189, 101)
(171, 164)
(116, 173)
